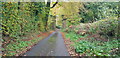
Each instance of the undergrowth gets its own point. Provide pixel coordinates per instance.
(16, 47)
(86, 47)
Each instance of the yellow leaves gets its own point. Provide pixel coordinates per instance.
(76, 30)
(4, 55)
(15, 2)
(4, 14)
(26, 21)
(66, 8)
(72, 21)
(103, 20)
(9, 2)
(7, 32)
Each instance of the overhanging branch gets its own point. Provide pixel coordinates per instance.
(54, 4)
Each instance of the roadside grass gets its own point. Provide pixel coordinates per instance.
(86, 47)
(17, 47)
(99, 38)
(22, 44)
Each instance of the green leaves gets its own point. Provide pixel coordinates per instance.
(93, 47)
(23, 17)
(85, 46)
(20, 19)
(97, 11)
(14, 47)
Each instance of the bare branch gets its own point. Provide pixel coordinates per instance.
(54, 4)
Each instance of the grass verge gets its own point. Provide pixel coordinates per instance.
(20, 46)
(90, 47)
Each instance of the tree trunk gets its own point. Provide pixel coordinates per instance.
(47, 14)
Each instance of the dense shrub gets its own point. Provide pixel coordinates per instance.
(19, 18)
(99, 10)
(108, 26)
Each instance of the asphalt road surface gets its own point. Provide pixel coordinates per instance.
(53, 45)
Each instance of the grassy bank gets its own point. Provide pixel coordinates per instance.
(91, 47)
(21, 45)
(100, 38)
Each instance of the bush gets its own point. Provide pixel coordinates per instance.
(107, 27)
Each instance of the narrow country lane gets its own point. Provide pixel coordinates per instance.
(71, 28)
(53, 45)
